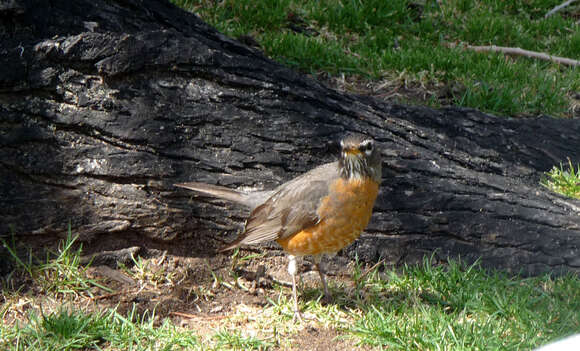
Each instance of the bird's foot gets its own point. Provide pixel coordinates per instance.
(297, 317)
(327, 298)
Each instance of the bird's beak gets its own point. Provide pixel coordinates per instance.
(352, 152)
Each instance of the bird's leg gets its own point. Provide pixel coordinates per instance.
(292, 269)
(322, 272)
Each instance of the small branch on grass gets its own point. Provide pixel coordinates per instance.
(558, 8)
(106, 296)
(371, 269)
(241, 286)
(279, 282)
(227, 285)
(194, 316)
(519, 52)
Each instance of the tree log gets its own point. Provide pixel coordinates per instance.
(104, 105)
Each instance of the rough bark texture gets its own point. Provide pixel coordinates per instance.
(105, 104)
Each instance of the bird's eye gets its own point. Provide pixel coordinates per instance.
(368, 146)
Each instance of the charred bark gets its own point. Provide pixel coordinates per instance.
(105, 104)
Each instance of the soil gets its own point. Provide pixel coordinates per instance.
(197, 290)
(397, 90)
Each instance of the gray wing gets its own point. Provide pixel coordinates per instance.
(291, 208)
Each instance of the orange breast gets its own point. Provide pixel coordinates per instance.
(345, 212)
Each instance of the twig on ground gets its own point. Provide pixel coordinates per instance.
(519, 52)
(193, 316)
(279, 282)
(162, 258)
(227, 285)
(241, 286)
(558, 8)
(106, 296)
(371, 269)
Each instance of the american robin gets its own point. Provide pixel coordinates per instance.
(316, 213)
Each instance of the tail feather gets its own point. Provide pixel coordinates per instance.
(217, 191)
(230, 246)
(251, 200)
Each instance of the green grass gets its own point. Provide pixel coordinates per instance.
(60, 272)
(461, 307)
(425, 307)
(234, 339)
(379, 39)
(565, 181)
(78, 330)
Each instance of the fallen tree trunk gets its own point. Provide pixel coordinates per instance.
(105, 104)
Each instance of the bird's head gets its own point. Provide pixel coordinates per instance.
(359, 158)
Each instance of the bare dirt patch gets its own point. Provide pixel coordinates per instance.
(398, 90)
(204, 293)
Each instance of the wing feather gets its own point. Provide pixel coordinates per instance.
(292, 207)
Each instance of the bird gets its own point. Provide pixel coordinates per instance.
(315, 214)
